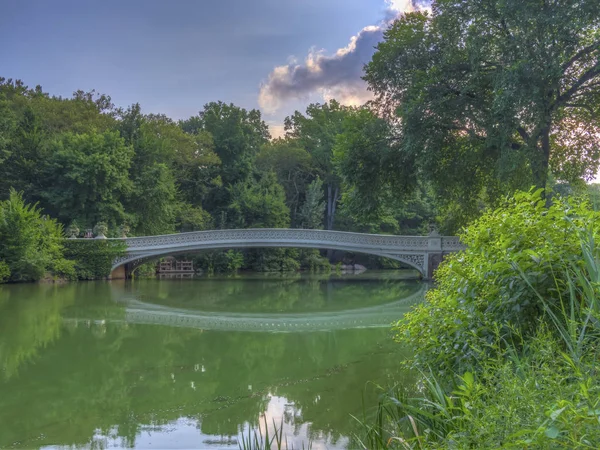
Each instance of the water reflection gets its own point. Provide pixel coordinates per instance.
(76, 372)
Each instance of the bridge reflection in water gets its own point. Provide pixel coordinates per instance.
(139, 312)
(126, 364)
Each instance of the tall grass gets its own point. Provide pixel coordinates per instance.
(541, 392)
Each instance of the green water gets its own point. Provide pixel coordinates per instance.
(194, 363)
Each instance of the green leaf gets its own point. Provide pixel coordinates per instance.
(552, 432)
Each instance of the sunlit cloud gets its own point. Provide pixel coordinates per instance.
(337, 75)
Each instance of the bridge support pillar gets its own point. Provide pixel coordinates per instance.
(434, 254)
(121, 273)
(433, 261)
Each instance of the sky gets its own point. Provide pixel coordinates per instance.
(174, 56)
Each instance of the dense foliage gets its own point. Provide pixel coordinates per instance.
(507, 340)
(93, 258)
(31, 244)
(486, 290)
(85, 162)
(482, 98)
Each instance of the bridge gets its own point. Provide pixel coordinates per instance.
(423, 253)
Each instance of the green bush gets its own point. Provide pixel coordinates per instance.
(30, 243)
(314, 262)
(93, 258)
(272, 259)
(219, 261)
(4, 272)
(536, 384)
(542, 399)
(485, 291)
(146, 270)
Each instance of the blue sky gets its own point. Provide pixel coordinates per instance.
(174, 56)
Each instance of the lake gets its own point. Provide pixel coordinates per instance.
(193, 363)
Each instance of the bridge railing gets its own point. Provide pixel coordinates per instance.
(407, 243)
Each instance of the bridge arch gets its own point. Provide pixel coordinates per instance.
(412, 262)
(419, 252)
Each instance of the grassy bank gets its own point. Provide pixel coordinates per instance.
(507, 344)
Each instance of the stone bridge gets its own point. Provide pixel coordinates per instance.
(423, 253)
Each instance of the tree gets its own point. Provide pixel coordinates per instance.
(7, 128)
(237, 134)
(192, 218)
(317, 132)
(169, 167)
(490, 96)
(153, 200)
(86, 178)
(197, 169)
(313, 208)
(294, 169)
(26, 155)
(258, 204)
(364, 153)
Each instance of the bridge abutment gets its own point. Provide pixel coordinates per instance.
(121, 272)
(434, 255)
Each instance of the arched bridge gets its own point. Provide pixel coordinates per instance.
(423, 253)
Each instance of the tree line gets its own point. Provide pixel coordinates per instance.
(470, 104)
(90, 165)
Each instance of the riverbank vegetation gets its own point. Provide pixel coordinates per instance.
(479, 101)
(507, 341)
(30, 243)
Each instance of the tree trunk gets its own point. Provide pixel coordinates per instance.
(329, 204)
(333, 195)
(540, 172)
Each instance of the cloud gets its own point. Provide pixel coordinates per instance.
(276, 130)
(336, 75)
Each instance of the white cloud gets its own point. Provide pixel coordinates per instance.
(336, 75)
(400, 6)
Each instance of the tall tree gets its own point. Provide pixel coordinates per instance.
(169, 167)
(317, 131)
(7, 128)
(294, 169)
(237, 134)
(365, 151)
(26, 155)
(258, 204)
(86, 178)
(491, 95)
(313, 208)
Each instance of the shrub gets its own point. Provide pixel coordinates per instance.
(539, 390)
(30, 244)
(219, 261)
(486, 290)
(314, 262)
(539, 400)
(272, 259)
(93, 258)
(4, 272)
